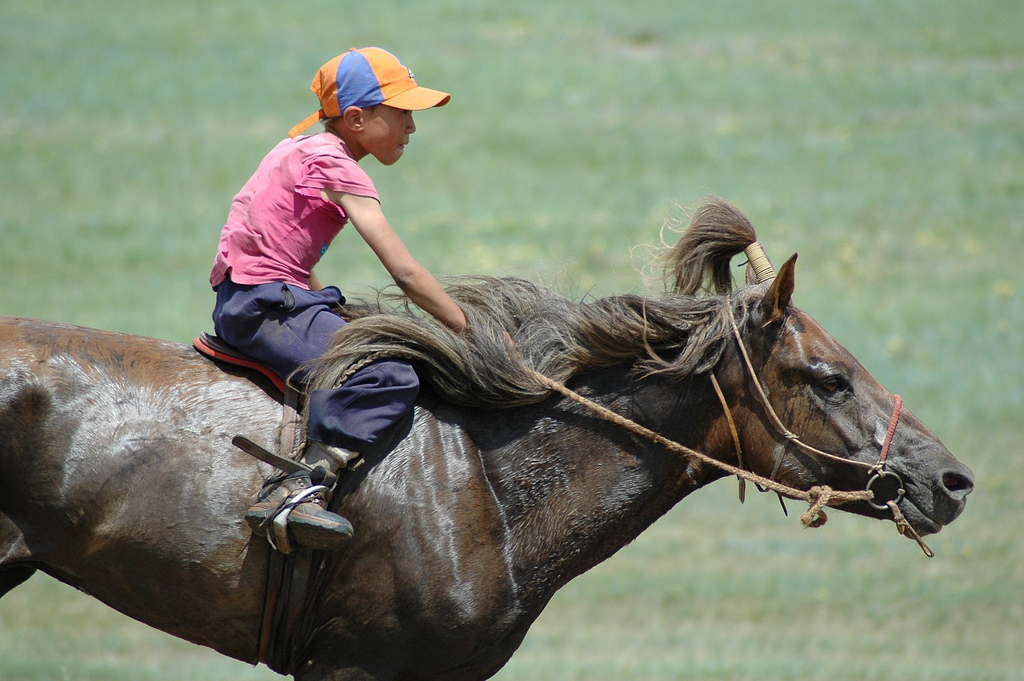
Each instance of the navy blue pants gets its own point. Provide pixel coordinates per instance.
(286, 327)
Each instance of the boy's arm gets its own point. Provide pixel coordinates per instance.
(415, 281)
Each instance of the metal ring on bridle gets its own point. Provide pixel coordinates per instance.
(900, 491)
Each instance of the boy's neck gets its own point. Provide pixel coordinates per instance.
(338, 132)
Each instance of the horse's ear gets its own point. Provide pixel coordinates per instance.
(780, 293)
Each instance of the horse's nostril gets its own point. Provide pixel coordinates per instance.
(958, 486)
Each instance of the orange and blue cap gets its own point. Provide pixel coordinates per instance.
(367, 77)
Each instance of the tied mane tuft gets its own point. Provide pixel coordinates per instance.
(678, 334)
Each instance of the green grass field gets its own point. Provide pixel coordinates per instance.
(883, 141)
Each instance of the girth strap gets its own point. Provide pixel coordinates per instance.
(287, 574)
(287, 583)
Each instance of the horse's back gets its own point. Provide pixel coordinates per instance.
(117, 474)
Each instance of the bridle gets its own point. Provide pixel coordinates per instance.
(877, 470)
(818, 496)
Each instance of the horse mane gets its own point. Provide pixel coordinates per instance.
(678, 334)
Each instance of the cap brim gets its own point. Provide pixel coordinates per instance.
(418, 99)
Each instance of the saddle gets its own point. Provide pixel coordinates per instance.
(214, 347)
(290, 443)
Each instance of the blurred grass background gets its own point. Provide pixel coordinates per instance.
(884, 141)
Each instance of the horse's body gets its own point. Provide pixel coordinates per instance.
(117, 470)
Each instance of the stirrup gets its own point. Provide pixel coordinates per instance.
(277, 522)
(287, 516)
(299, 519)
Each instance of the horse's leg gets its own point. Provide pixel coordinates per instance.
(13, 575)
(12, 546)
(320, 673)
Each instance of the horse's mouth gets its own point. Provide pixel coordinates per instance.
(925, 523)
(932, 503)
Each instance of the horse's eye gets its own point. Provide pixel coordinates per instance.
(833, 385)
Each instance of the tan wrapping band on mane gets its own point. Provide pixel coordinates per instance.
(762, 266)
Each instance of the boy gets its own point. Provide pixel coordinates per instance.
(270, 303)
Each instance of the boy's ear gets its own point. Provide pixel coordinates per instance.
(352, 118)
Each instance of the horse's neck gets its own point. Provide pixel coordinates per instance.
(577, 488)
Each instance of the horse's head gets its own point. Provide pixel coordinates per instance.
(822, 419)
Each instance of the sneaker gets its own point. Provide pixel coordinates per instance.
(291, 509)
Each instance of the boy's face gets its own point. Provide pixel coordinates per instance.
(385, 132)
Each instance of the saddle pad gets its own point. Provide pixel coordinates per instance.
(215, 348)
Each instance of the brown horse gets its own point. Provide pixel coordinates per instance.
(116, 463)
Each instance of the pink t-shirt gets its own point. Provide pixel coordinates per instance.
(279, 226)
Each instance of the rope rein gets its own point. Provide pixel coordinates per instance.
(818, 497)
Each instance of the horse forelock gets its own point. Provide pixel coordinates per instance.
(700, 260)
